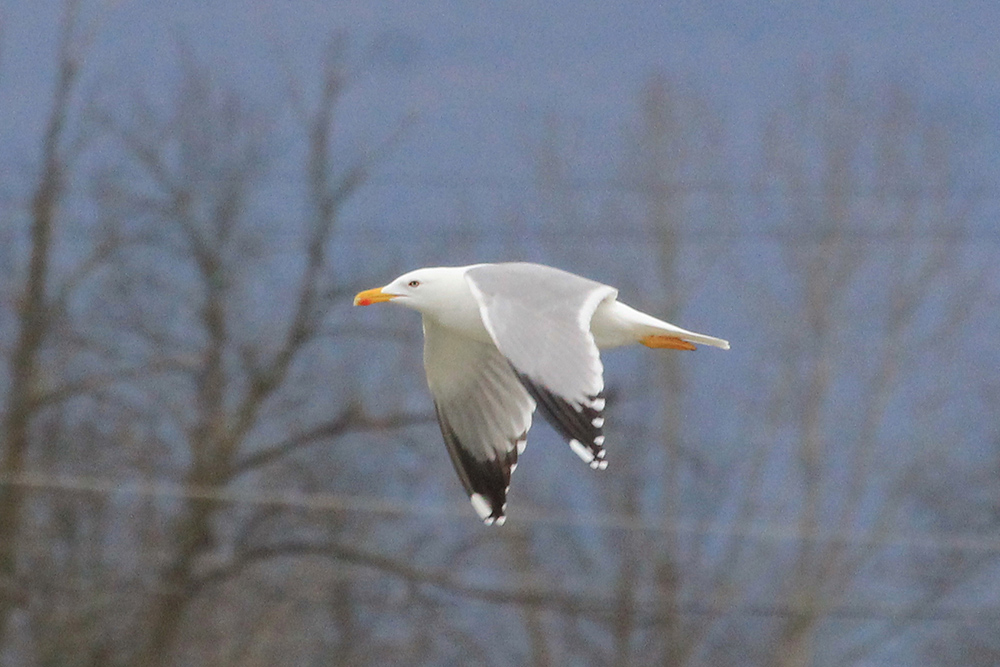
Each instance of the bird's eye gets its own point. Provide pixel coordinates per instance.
(414, 283)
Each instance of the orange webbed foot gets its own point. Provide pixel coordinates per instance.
(667, 343)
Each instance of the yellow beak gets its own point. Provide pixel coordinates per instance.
(370, 296)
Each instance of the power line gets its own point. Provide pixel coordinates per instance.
(369, 505)
(513, 233)
(576, 602)
(518, 184)
(517, 227)
(612, 235)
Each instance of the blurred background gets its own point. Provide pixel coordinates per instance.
(208, 457)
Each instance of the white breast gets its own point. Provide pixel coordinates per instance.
(459, 311)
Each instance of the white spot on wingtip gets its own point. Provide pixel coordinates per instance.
(598, 403)
(482, 507)
(581, 451)
(599, 464)
(598, 422)
(521, 445)
(599, 440)
(513, 467)
(500, 520)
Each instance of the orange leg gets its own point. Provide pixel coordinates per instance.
(667, 342)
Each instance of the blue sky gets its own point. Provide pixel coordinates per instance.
(481, 74)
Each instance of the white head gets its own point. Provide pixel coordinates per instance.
(426, 290)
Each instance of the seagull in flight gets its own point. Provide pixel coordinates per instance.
(503, 339)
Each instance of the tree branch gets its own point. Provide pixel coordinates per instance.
(351, 420)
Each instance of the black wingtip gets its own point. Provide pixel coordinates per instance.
(485, 480)
(581, 425)
(489, 512)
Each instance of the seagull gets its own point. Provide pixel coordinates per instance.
(503, 339)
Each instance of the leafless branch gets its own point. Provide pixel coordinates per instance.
(351, 420)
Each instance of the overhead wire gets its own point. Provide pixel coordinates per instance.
(391, 507)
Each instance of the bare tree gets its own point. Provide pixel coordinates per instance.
(194, 459)
(864, 206)
(56, 362)
(675, 167)
(852, 267)
(245, 402)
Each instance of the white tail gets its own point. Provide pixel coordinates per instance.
(617, 324)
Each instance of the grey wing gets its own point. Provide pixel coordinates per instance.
(484, 413)
(539, 317)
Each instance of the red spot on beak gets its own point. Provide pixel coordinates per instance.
(370, 296)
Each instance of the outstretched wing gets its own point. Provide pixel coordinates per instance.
(539, 318)
(484, 412)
